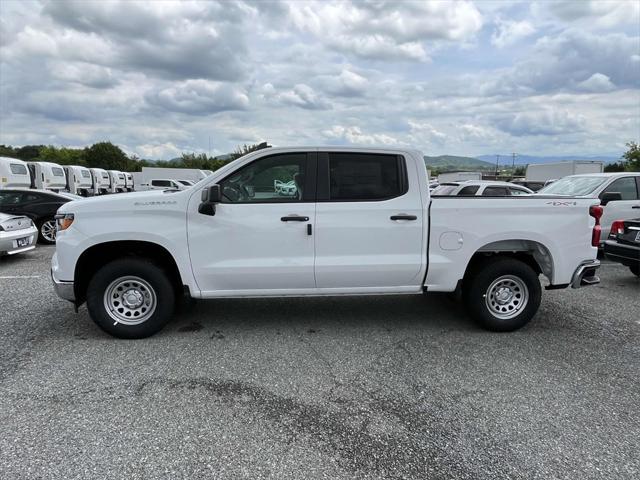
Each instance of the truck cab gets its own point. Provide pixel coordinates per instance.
(47, 176)
(14, 173)
(79, 181)
(101, 181)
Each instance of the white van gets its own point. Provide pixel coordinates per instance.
(14, 173)
(118, 181)
(79, 181)
(101, 181)
(47, 176)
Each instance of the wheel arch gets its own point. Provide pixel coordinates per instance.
(94, 257)
(531, 252)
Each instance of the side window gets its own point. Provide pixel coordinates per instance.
(277, 178)
(10, 198)
(161, 183)
(31, 197)
(57, 172)
(365, 177)
(494, 192)
(18, 169)
(626, 186)
(469, 191)
(517, 191)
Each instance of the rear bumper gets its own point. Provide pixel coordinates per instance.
(585, 274)
(8, 240)
(628, 255)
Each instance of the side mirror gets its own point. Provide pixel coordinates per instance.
(610, 197)
(210, 196)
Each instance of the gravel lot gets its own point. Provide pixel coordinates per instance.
(369, 387)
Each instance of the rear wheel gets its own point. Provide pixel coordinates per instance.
(635, 269)
(47, 231)
(502, 294)
(131, 298)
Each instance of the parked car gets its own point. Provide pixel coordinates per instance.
(163, 184)
(619, 194)
(364, 223)
(484, 188)
(17, 234)
(39, 205)
(623, 244)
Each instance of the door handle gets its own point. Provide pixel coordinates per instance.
(403, 216)
(294, 218)
(636, 206)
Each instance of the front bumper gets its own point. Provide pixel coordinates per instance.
(585, 274)
(64, 289)
(9, 240)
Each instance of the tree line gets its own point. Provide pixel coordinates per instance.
(111, 157)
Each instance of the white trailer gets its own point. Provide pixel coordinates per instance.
(47, 176)
(153, 173)
(14, 173)
(101, 181)
(543, 172)
(459, 176)
(79, 180)
(118, 181)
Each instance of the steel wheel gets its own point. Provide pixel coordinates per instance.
(130, 300)
(506, 297)
(48, 231)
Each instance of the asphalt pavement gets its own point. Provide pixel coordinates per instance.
(363, 387)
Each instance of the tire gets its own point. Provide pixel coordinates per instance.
(131, 298)
(502, 294)
(635, 269)
(47, 231)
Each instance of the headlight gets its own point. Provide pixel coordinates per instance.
(64, 221)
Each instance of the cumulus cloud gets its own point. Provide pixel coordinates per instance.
(353, 134)
(199, 97)
(602, 14)
(565, 61)
(425, 134)
(546, 122)
(301, 95)
(597, 83)
(508, 32)
(386, 30)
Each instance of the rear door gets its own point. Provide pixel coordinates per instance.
(625, 209)
(369, 222)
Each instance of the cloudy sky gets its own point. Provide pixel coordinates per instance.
(161, 77)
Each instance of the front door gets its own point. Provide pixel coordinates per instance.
(369, 222)
(625, 209)
(260, 240)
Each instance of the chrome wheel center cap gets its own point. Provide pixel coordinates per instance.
(132, 298)
(504, 296)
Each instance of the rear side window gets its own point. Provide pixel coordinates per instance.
(161, 183)
(625, 186)
(18, 169)
(468, 191)
(517, 191)
(365, 177)
(10, 198)
(57, 172)
(494, 192)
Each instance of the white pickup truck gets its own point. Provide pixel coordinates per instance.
(362, 223)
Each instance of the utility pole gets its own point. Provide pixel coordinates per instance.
(497, 162)
(513, 165)
(209, 146)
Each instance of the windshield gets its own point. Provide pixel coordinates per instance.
(573, 186)
(444, 190)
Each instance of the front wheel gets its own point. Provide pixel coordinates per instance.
(502, 294)
(47, 231)
(130, 298)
